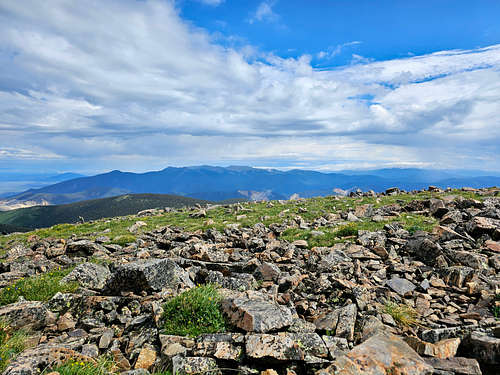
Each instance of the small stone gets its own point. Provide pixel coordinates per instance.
(90, 350)
(146, 359)
(302, 244)
(268, 372)
(120, 360)
(194, 365)
(65, 322)
(401, 286)
(134, 228)
(106, 338)
(352, 218)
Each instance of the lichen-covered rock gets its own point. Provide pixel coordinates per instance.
(89, 275)
(83, 247)
(484, 348)
(34, 361)
(255, 313)
(380, 355)
(194, 365)
(337, 346)
(341, 321)
(147, 275)
(146, 358)
(285, 346)
(226, 346)
(27, 315)
(442, 349)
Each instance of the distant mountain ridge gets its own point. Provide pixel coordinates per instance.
(220, 183)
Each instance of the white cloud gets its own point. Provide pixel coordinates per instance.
(211, 2)
(131, 85)
(331, 52)
(264, 13)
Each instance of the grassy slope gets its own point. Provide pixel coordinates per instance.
(6, 228)
(265, 212)
(46, 216)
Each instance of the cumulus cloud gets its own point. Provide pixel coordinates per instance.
(128, 84)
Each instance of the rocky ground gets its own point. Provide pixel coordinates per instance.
(386, 302)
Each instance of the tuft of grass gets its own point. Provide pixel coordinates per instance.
(347, 230)
(37, 288)
(102, 366)
(123, 239)
(193, 312)
(404, 315)
(11, 344)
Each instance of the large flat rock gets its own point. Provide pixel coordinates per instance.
(29, 315)
(380, 355)
(254, 312)
(286, 346)
(147, 275)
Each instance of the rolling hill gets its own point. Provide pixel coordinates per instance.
(46, 216)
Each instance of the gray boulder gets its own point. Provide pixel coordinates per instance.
(148, 275)
(89, 275)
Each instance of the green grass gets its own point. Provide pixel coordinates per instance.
(403, 315)
(102, 366)
(11, 344)
(37, 288)
(194, 312)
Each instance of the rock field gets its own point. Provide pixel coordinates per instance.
(385, 302)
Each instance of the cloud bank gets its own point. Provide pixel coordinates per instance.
(127, 84)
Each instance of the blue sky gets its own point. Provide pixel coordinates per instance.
(327, 85)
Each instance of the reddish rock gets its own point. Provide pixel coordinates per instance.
(380, 354)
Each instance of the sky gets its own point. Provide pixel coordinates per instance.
(91, 86)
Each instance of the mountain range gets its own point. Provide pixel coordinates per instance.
(221, 183)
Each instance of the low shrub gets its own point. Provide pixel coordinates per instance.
(194, 312)
(37, 288)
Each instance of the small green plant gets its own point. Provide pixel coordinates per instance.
(123, 239)
(495, 307)
(195, 311)
(414, 228)
(11, 344)
(102, 366)
(402, 314)
(347, 231)
(37, 288)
